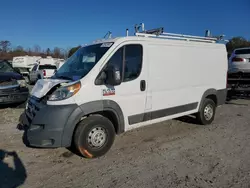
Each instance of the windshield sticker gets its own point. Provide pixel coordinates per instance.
(106, 45)
(108, 91)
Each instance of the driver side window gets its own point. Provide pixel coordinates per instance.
(117, 59)
(129, 60)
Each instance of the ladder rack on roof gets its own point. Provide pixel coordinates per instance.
(159, 33)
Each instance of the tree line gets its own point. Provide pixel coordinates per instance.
(237, 42)
(7, 52)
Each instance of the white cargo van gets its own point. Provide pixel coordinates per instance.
(119, 84)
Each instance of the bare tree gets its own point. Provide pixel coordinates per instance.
(29, 51)
(57, 52)
(37, 49)
(19, 48)
(48, 52)
(4, 45)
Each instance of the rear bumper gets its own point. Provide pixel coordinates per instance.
(45, 128)
(15, 95)
(239, 67)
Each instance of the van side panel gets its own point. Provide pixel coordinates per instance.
(181, 73)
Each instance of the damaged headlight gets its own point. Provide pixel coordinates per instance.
(22, 83)
(65, 91)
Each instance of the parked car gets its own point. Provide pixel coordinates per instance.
(13, 88)
(240, 61)
(115, 85)
(238, 81)
(43, 71)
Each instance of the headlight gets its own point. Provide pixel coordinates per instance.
(22, 83)
(65, 92)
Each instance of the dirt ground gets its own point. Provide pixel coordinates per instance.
(170, 154)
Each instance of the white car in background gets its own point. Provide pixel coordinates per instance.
(240, 61)
(43, 71)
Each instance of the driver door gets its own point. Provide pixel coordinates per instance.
(130, 95)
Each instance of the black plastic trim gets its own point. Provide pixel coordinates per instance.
(221, 96)
(205, 94)
(90, 108)
(47, 123)
(161, 113)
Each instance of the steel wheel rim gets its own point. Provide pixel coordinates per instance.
(208, 112)
(97, 137)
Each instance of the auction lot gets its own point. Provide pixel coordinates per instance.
(170, 154)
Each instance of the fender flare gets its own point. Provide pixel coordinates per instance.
(205, 94)
(89, 108)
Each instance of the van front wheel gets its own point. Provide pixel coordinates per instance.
(206, 115)
(94, 136)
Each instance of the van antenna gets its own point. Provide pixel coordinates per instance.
(126, 32)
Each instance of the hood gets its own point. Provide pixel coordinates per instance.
(6, 76)
(43, 86)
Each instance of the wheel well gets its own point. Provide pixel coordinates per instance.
(108, 114)
(212, 97)
(112, 117)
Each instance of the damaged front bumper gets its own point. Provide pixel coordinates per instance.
(44, 124)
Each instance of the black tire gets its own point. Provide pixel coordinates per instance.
(83, 138)
(205, 119)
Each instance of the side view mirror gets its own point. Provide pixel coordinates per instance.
(113, 75)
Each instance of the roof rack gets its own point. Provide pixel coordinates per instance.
(159, 33)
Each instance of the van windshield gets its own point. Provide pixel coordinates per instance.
(5, 67)
(82, 61)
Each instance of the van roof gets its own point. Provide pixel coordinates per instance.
(150, 39)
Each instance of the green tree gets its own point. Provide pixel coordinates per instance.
(237, 42)
(73, 50)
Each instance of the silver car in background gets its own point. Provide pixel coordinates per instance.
(240, 61)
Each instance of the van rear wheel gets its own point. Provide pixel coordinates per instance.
(94, 136)
(206, 115)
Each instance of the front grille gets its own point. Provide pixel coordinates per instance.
(8, 91)
(8, 83)
(32, 109)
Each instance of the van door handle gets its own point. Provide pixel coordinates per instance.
(143, 85)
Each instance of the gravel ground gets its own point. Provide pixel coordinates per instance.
(170, 154)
